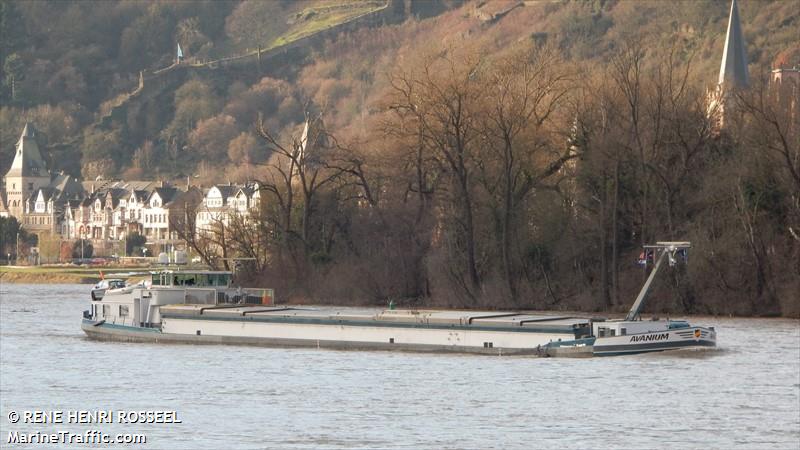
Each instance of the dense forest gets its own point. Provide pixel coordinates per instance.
(474, 154)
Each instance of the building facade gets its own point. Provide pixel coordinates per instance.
(28, 173)
(222, 202)
(108, 212)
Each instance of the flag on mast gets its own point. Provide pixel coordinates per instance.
(646, 257)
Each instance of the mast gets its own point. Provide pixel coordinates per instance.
(667, 249)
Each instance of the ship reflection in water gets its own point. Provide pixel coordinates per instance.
(740, 394)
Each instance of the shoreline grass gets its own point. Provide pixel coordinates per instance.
(65, 274)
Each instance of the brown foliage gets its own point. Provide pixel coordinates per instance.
(210, 139)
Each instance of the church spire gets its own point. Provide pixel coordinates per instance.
(28, 172)
(28, 160)
(28, 131)
(733, 71)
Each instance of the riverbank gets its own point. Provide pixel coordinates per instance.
(66, 274)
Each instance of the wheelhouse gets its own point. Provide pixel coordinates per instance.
(208, 278)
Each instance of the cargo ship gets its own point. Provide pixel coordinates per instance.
(202, 307)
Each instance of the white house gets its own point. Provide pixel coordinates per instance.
(155, 216)
(223, 201)
(215, 208)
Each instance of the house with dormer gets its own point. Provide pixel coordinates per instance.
(44, 210)
(77, 217)
(137, 200)
(155, 223)
(40, 211)
(215, 208)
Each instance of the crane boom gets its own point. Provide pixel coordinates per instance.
(667, 249)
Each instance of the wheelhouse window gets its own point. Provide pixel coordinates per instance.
(186, 280)
(106, 310)
(123, 310)
(218, 279)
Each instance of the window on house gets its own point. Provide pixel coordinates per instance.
(30, 186)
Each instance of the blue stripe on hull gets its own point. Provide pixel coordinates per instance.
(120, 327)
(631, 349)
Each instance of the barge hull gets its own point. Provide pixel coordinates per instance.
(119, 333)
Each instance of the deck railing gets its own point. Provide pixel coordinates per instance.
(200, 296)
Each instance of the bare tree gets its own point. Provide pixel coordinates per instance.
(596, 108)
(209, 243)
(294, 177)
(440, 99)
(183, 222)
(520, 153)
(774, 131)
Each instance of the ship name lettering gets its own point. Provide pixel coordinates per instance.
(650, 337)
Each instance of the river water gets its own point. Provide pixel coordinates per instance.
(745, 393)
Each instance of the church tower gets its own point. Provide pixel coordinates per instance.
(733, 73)
(27, 173)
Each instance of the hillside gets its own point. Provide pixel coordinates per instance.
(70, 62)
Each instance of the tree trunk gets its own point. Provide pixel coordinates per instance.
(614, 238)
(508, 206)
(224, 244)
(469, 226)
(604, 283)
